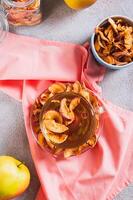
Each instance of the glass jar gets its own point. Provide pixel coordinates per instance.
(4, 27)
(23, 12)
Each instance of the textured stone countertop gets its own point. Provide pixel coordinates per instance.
(63, 24)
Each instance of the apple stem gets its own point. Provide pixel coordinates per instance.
(20, 164)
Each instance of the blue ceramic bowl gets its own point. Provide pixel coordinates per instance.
(97, 57)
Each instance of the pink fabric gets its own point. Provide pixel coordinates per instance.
(99, 173)
(20, 57)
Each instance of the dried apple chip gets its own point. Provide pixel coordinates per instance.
(92, 141)
(65, 110)
(101, 35)
(107, 30)
(57, 88)
(70, 152)
(74, 103)
(77, 87)
(97, 46)
(110, 36)
(100, 42)
(68, 87)
(109, 59)
(85, 93)
(53, 115)
(43, 98)
(113, 24)
(121, 53)
(49, 143)
(120, 63)
(41, 139)
(55, 127)
(120, 27)
(128, 37)
(56, 138)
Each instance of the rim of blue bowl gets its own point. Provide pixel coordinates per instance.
(97, 57)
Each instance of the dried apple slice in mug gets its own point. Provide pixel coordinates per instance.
(65, 111)
(52, 121)
(55, 127)
(74, 103)
(53, 138)
(56, 138)
(53, 115)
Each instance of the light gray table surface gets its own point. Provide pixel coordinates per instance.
(64, 24)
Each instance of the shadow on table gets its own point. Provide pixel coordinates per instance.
(50, 7)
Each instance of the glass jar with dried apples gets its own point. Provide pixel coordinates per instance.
(23, 12)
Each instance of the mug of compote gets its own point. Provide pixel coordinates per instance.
(66, 118)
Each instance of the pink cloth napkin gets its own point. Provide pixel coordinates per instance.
(27, 68)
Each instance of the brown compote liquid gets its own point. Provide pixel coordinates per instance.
(84, 124)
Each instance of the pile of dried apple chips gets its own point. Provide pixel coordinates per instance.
(114, 42)
(64, 119)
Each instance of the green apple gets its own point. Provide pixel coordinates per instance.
(14, 177)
